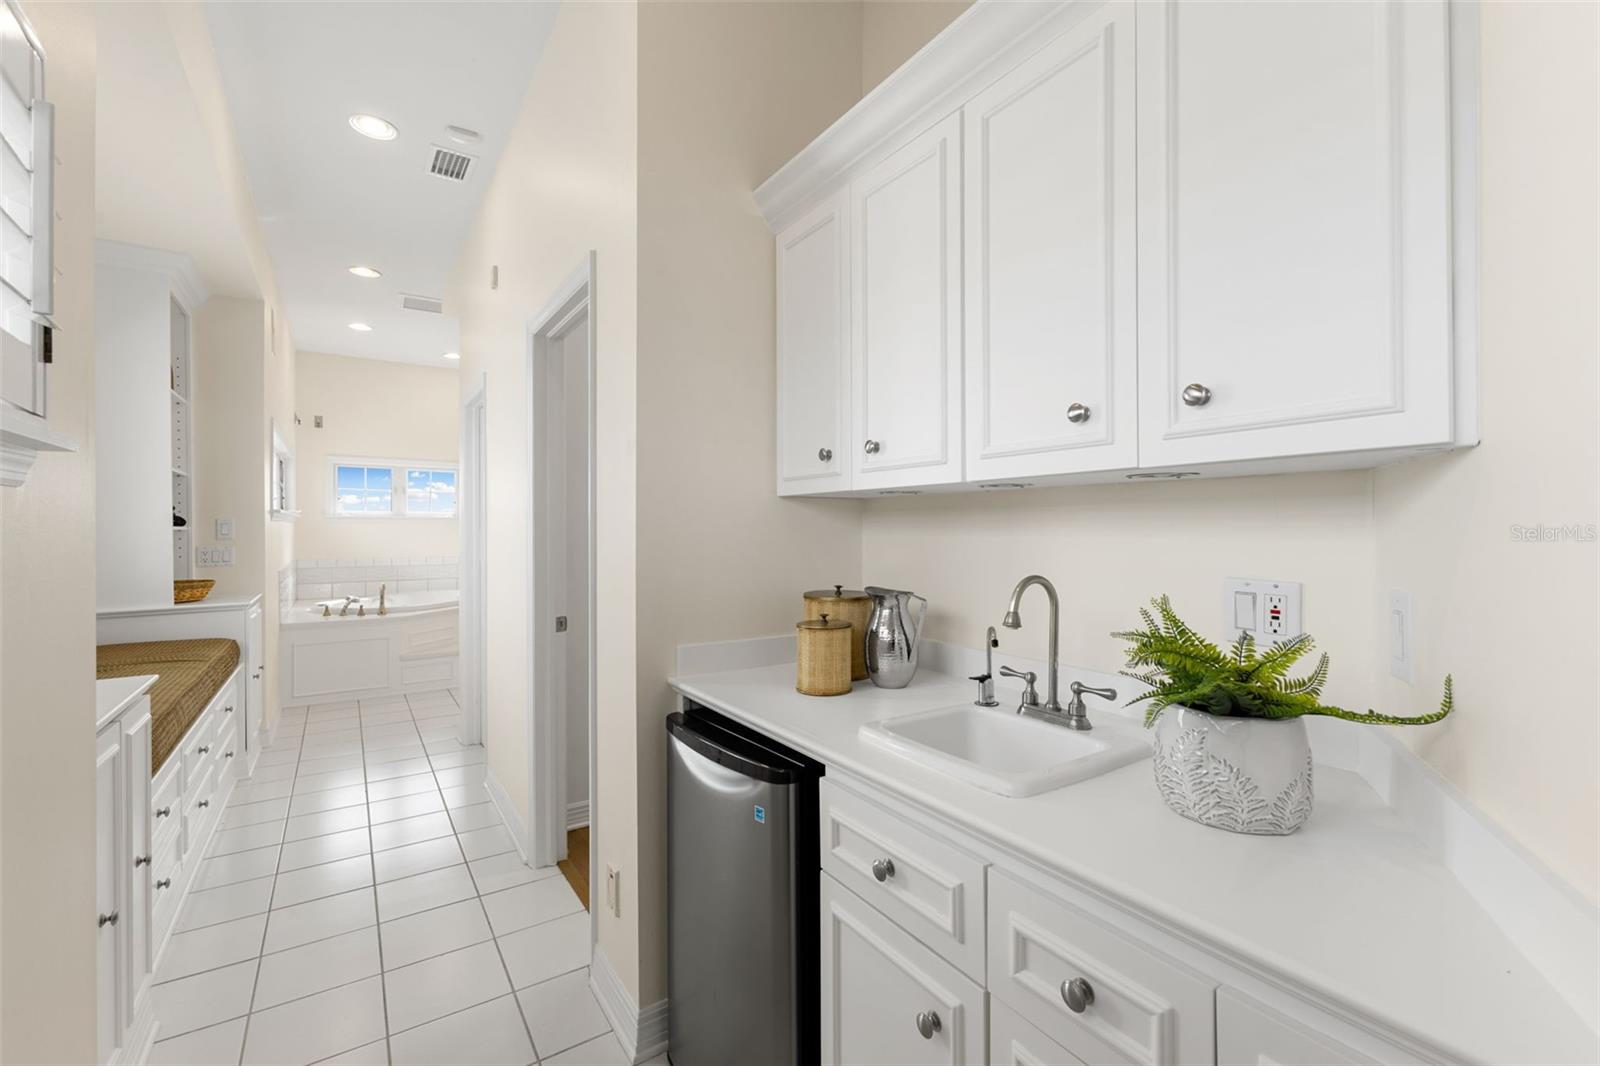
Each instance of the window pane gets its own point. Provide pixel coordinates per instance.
(351, 477)
(379, 477)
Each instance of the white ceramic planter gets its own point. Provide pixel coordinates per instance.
(1246, 775)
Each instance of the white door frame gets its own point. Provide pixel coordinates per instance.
(547, 784)
(474, 568)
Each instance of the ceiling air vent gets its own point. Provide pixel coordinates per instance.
(449, 165)
(431, 304)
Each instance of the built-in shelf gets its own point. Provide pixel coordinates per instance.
(22, 437)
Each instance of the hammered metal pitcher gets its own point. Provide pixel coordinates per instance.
(892, 636)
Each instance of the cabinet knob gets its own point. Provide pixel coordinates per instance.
(165, 882)
(883, 869)
(203, 804)
(1077, 414)
(928, 1023)
(1078, 994)
(825, 454)
(106, 919)
(140, 860)
(872, 447)
(162, 812)
(1196, 395)
(227, 755)
(204, 748)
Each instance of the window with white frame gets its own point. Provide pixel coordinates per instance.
(282, 476)
(365, 488)
(26, 214)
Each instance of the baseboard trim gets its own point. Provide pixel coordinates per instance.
(642, 1033)
(508, 812)
(577, 814)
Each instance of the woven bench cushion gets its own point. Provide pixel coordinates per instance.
(191, 672)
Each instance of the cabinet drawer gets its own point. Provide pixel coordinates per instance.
(1249, 1034)
(225, 755)
(198, 810)
(931, 888)
(199, 736)
(166, 879)
(886, 998)
(166, 806)
(1015, 1041)
(1145, 1008)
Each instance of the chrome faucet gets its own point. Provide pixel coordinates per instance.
(348, 600)
(985, 680)
(1075, 715)
(383, 591)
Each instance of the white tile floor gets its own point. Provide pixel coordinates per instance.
(362, 903)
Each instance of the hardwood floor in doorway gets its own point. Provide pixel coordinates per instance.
(575, 867)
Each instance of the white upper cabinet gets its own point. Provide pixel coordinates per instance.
(1294, 229)
(1051, 357)
(905, 223)
(814, 351)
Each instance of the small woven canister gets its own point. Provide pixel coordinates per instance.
(822, 657)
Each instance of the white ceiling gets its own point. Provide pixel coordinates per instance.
(158, 184)
(328, 197)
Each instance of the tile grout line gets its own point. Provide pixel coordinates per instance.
(372, 866)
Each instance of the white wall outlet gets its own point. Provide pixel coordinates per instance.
(1402, 655)
(224, 529)
(1269, 609)
(202, 557)
(613, 891)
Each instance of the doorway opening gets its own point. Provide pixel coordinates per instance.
(561, 496)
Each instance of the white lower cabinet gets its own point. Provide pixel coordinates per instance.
(887, 998)
(1014, 1041)
(1249, 1034)
(107, 891)
(124, 1019)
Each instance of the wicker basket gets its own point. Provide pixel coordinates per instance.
(822, 657)
(847, 605)
(191, 591)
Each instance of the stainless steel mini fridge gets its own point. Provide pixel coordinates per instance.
(742, 877)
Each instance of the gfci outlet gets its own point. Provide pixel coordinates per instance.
(1271, 610)
(613, 892)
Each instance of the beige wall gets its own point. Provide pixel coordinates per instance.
(727, 93)
(566, 185)
(1516, 621)
(47, 551)
(893, 30)
(371, 409)
(230, 464)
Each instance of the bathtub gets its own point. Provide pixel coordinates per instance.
(414, 648)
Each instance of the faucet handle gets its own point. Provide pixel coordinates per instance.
(1030, 695)
(1078, 688)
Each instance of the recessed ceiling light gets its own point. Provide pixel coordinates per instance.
(366, 272)
(361, 327)
(452, 355)
(372, 126)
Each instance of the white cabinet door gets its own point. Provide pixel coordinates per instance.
(905, 311)
(139, 859)
(1294, 239)
(1013, 1041)
(108, 872)
(1249, 1034)
(1051, 319)
(887, 999)
(814, 351)
(255, 670)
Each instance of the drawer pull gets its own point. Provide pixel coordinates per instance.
(140, 860)
(1196, 395)
(203, 804)
(1077, 414)
(106, 919)
(162, 812)
(165, 882)
(928, 1023)
(203, 749)
(227, 755)
(1078, 994)
(883, 869)
(872, 447)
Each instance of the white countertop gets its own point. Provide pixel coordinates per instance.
(113, 695)
(1352, 907)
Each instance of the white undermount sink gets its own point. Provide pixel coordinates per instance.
(998, 750)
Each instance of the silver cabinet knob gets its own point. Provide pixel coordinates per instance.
(1196, 395)
(165, 882)
(1078, 994)
(825, 454)
(872, 447)
(204, 748)
(106, 919)
(140, 860)
(1077, 414)
(883, 869)
(162, 812)
(928, 1023)
(227, 755)
(203, 804)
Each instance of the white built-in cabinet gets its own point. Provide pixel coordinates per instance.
(1118, 240)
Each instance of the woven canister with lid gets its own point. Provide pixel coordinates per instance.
(848, 605)
(822, 657)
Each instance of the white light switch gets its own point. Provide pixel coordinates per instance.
(1268, 609)
(1244, 610)
(224, 529)
(1401, 644)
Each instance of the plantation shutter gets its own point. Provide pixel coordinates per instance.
(26, 166)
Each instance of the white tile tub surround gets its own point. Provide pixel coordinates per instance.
(381, 915)
(287, 587)
(319, 579)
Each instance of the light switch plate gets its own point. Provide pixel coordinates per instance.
(1402, 644)
(1269, 609)
(224, 529)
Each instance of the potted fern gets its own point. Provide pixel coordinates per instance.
(1230, 743)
